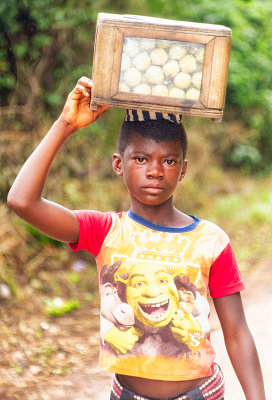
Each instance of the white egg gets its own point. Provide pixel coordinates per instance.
(199, 55)
(131, 46)
(188, 64)
(132, 77)
(163, 44)
(143, 88)
(160, 90)
(147, 44)
(154, 74)
(175, 92)
(177, 51)
(196, 79)
(142, 61)
(192, 94)
(159, 56)
(123, 87)
(182, 80)
(171, 68)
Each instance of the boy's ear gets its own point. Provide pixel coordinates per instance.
(117, 164)
(183, 170)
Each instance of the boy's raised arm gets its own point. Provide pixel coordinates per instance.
(25, 196)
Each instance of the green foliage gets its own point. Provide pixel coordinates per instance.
(41, 46)
(256, 212)
(7, 276)
(245, 156)
(57, 306)
(42, 239)
(245, 213)
(17, 367)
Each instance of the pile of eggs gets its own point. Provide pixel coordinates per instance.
(161, 68)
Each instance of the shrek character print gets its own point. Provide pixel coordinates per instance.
(162, 326)
(114, 312)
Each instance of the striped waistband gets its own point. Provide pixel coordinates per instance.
(212, 389)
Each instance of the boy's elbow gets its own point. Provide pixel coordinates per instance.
(10, 200)
(16, 203)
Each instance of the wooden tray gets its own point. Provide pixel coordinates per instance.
(160, 65)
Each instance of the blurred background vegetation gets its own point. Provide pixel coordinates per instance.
(45, 46)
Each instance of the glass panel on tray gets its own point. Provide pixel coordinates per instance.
(161, 68)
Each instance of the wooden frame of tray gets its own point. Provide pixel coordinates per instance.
(110, 33)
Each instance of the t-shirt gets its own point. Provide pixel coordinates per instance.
(154, 283)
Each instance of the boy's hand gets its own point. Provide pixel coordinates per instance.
(76, 111)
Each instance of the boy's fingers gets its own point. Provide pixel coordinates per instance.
(80, 89)
(86, 82)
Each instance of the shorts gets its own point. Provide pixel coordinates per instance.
(212, 389)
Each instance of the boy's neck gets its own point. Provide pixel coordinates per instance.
(163, 214)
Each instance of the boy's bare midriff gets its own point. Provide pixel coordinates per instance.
(159, 389)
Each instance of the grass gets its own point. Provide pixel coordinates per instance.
(57, 306)
(246, 215)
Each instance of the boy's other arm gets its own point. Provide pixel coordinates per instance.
(240, 345)
(25, 196)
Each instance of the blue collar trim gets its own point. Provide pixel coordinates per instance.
(148, 224)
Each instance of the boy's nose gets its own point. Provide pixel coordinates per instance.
(154, 170)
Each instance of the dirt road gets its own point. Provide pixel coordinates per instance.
(87, 383)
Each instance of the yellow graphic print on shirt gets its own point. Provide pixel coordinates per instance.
(154, 311)
(157, 299)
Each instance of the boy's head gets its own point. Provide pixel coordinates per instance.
(165, 128)
(151, 158)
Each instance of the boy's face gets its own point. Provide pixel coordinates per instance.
(151, 170)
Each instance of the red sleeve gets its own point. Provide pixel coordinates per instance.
(225, 277)
(93, 228)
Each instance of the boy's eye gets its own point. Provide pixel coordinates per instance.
(170, 162)
(140, 159)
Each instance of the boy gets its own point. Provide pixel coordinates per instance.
(143, 257)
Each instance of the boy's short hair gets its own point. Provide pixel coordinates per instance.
(158, 130)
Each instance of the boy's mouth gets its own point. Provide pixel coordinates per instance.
(153, 189)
